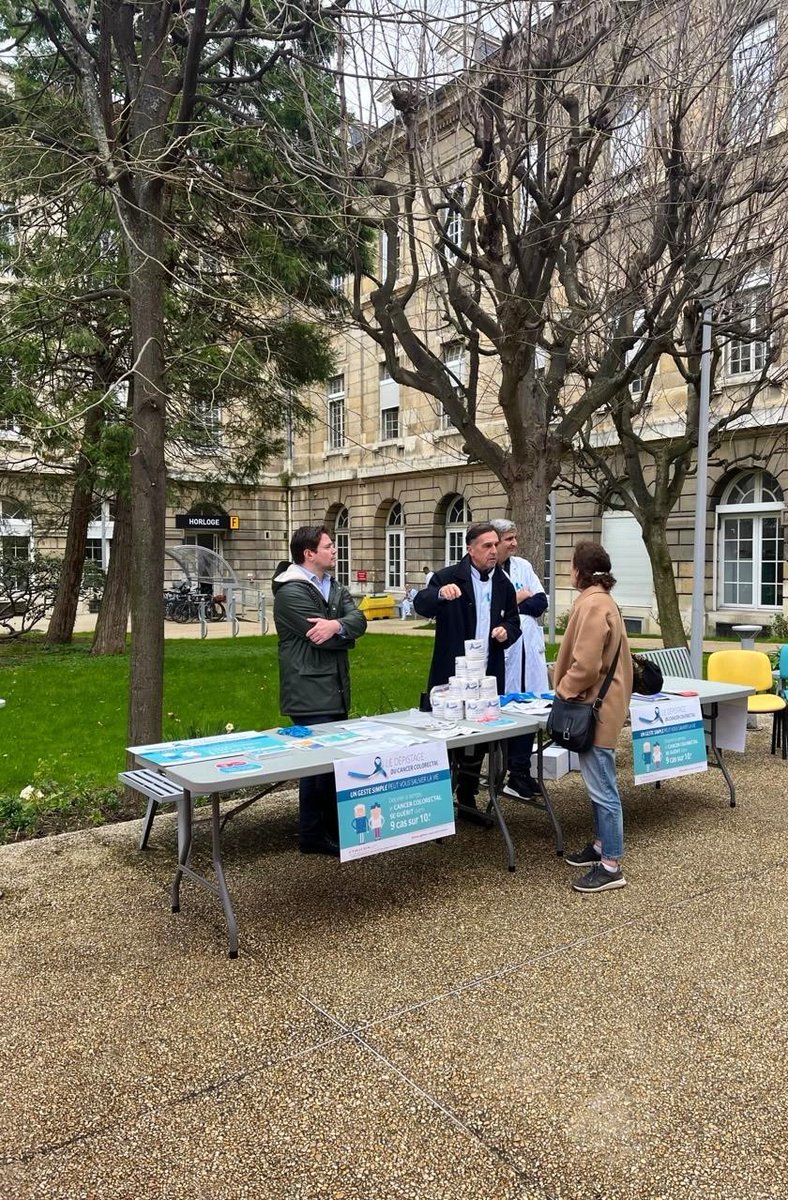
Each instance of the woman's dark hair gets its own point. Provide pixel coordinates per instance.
(592, 563)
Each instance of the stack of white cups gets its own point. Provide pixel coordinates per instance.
(470, 693)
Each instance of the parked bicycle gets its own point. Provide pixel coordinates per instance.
(182, 604)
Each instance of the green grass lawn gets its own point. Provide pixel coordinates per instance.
(65, 718)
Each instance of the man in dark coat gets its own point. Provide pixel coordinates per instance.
(317, 622)
(471, 599)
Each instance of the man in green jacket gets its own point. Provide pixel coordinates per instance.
(317, 622)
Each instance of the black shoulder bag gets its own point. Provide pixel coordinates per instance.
(572, 723)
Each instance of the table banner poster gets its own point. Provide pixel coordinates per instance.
(393, 798)
(668, 738)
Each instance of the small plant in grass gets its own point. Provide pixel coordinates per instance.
(779, 628)
(561, 621)
(47, 806)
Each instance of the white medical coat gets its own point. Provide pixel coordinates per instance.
(530, 647)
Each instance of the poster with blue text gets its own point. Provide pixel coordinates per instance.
(393, 798)
(668, 737)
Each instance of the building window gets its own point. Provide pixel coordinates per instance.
(206, 420)
(389, 405)
(458, 518)
(628, 141)
(636, 383)
(342, 543)
(389, 425)
(748, 355)
(16, 529)
(100, 532)
(395, 549)
(750, 543)
(754, 71)
(453, 356)
(336, 412)
(453, 225)
(383, 253)
(10, 427)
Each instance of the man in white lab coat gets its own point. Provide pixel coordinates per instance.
(526, 669)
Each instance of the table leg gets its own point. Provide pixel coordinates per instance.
(496, 765)
(545, 804)
(184, 848)
(718, 755)
(218, 870)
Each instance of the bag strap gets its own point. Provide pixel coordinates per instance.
(609, 677)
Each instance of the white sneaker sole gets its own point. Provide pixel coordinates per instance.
(510, 791)
(601, 887)
(588, 862)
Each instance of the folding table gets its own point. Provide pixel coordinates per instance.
(209, 776)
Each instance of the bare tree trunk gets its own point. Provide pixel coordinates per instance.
(61, 623)
(148, 479)
(670, 622)
(110, 634)
(528, 490)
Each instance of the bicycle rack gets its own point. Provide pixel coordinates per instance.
(231, 617)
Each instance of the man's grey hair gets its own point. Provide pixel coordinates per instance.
(502, 526)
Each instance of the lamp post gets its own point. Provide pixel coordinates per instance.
(709, 270)
(551, 562)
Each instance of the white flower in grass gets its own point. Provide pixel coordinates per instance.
(229, 727)
(31, 793)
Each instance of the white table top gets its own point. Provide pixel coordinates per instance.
(707, 690)
(205, 776)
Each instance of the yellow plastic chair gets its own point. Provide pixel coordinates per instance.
(752, 668)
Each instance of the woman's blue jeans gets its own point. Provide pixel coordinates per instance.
(598, 768)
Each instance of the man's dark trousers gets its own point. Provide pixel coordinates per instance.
(317, 794)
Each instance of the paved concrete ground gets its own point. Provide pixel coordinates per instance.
(422, 1025)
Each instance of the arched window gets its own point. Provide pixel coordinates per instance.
(458, 518)
(16, 529)
(342, 543)
(749, 543)
(395, 549)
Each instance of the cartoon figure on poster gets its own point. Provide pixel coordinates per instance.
(360, 823)
(681, 746)
(395, 798)
(376, 820)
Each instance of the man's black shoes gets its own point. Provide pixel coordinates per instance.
(521, 787)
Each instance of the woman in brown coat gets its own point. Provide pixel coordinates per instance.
(594, 633)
